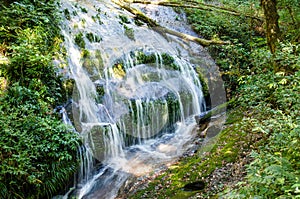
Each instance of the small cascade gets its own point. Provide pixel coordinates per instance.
(134, 98)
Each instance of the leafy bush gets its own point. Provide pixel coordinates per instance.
(30, 59)
(233, 60)
(273, 97)
(38, 152)
(28, 14)
(267, 87)
(31, 40)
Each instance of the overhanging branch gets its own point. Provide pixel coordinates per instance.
(195, 5)
(153, 24)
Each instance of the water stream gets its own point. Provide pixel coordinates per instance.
(135, 96)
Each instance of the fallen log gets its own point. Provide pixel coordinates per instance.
(163, 30)
(203, 42)
(196, 5)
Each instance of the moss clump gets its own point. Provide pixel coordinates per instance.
(68, 86)
(98, 57)
(142, 58)
(67, 14)
(129, 32)
(138, 22)
(100, 93)
(169, 62)
(93, 63)
(79, 40)
(93, 38)
(84, 10)
(97, 18)
(124, 19)
(203, 82)
(119, 70)
(85, 53)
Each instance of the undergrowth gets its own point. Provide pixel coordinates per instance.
(38, 153)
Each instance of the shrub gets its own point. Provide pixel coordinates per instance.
(38, 152)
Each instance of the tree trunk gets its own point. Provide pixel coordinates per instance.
(272, 27)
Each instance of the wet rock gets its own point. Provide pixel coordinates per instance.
(203, 120)
(212, 131)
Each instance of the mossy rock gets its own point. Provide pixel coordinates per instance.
(149, 118)
(79, 40)
(96, 140)
(152, 59)
(93, 64)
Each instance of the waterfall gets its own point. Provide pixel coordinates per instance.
(134, 98)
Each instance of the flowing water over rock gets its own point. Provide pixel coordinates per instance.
(135, 96)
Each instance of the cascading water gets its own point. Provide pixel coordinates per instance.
(134, 98)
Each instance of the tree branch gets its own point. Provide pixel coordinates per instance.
(153, 24)
(195, 5)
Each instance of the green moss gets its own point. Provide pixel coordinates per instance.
(221, 149)
(83, 21)
(84, 10)
(101, 92)
(169, 62)
(138, 22)
(85, 53)
(68, 86)
(100, 64)
(74, 13)
(79, 40)
(93, 38)
(67, 14)
(129, 32)
(97, 18)
(203, 82)
(142, 58)
(124, 19)
(233, 118)
(92, 63)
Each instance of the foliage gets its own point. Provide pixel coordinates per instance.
(235, 58)
(129, 32)
(289, 20)
(93, 38)
(30, 63)
(246, 35)
(32, 39)
(267, 86)
(273, 96)
(37, 151)
(266, 91)
(28, 14)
